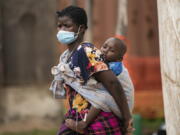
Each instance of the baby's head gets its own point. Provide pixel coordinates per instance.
(113, 49)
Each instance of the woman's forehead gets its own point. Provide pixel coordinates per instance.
(65, 19)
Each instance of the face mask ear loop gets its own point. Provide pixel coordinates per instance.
(78, 30)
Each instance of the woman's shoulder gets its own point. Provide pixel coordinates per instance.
(90, 48)
(87, 45)
(63, 55)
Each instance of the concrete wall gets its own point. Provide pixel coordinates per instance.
(29, 41)
(169, 33)
(27, 53)
(31, 102)
(3, 93)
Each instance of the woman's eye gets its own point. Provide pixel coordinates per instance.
(63, 25)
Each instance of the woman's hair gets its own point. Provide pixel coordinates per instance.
(77, 14)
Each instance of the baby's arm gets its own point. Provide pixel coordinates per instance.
(91, 115)
(79, 126)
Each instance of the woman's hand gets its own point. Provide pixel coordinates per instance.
(129, 127)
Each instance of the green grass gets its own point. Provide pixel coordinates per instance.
(151, 125)
(33, 132)
(145, 126)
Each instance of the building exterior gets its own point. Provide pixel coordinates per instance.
(28, 47)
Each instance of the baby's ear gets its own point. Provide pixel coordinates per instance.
(121, 58)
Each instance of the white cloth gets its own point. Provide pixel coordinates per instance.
(128, 87)
(92, 91)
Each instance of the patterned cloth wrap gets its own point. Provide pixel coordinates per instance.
(83, 89)
(106, 123)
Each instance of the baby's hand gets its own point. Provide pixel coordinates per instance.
(77, 126)
(59, 90)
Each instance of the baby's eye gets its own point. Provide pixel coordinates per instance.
(112, 50)
(59, 25)
(65, 25)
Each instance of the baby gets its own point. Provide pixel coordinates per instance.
(113, 49)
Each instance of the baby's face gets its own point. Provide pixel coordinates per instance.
(111, 50)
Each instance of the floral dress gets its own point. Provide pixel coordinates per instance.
(84, 62)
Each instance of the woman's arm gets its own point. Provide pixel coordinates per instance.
(111, 83)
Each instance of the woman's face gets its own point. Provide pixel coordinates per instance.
(66, 23)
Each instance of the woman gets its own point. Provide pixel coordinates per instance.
(81, 67)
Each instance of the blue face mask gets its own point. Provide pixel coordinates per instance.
(116, 67)
(67, 37)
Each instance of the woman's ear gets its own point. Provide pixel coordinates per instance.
(82, 28)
